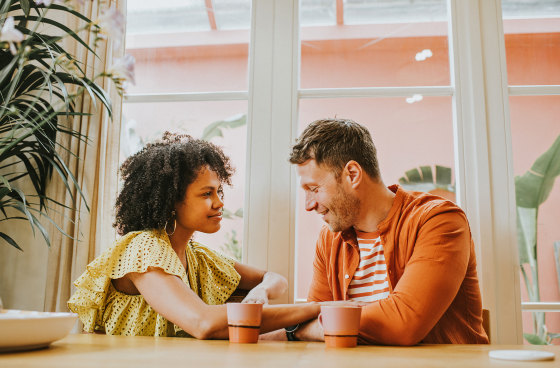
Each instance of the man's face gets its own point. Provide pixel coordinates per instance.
(328, 196)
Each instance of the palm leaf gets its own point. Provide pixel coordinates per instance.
(424, 179)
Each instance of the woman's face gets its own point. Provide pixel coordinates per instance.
(201, 210)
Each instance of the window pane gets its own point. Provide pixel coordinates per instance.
(551, 318)
(403, 132)
(147, 16)
(144, 122)
(532, 36)
(185, 47)
(404, 44)
(232, 14)
(534, 131)
(317, 12)
(391, 11)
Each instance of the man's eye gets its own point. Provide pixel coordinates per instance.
(207, 194)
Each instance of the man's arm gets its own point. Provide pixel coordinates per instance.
(430, 282)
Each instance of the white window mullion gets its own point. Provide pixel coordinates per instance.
(185, 96)
(483, 157)
(272, 87)
(370, 92)
(540, 306)
(537, 90)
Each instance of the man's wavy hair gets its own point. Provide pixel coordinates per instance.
(334, 142)
(157, 177)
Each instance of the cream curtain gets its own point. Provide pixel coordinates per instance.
(95, 165)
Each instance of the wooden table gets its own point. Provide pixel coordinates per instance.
(118, 351)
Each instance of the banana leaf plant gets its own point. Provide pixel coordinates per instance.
(531, 190)
(39, 85)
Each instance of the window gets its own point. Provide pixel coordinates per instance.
(191, 77)
(418, 66)
(374, 62)
(532, 44)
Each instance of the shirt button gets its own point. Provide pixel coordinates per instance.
(346, 276)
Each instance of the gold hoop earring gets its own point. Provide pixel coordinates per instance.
(174, 224)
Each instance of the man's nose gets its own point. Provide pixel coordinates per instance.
(310, 202)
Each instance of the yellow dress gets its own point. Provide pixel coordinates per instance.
(102, 308)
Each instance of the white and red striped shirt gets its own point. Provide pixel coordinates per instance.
(370, 282)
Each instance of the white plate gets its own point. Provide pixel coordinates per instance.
(521, 355)
(24, 330)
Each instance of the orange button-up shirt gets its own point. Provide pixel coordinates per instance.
(431, 265)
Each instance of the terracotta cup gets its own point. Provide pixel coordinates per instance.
(340, 325)
(244, 322)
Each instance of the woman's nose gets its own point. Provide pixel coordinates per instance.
(218, 202)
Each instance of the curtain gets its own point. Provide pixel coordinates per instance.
(95, 166)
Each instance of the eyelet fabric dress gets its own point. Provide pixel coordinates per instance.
(102, 308)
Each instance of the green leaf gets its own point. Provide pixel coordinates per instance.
(531, 190)
(215, 129)
(10, 241)
(25, 6)
(533, 187)
(443, 176)
(426, 174)
(5, 182)
(534, 339)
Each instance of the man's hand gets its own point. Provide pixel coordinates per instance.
(310, 331)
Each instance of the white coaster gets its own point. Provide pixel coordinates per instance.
(521, 355)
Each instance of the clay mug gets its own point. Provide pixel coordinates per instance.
(244, 322)
(340, 325)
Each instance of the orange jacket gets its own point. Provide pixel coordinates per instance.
(431, 266)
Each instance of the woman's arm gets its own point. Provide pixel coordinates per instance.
(175, 301)
(262, 285)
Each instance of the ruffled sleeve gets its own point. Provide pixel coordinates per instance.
(134, 252)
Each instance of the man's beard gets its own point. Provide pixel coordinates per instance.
(344, 207)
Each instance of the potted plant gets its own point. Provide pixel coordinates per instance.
(40, 83)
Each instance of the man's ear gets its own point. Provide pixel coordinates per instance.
(353, 173)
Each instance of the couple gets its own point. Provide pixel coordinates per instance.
(409, 256)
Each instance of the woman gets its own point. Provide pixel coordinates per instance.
(156, 280)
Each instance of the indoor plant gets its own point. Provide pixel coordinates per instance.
(39, 84)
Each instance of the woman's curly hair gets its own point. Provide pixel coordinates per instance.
(157, 177)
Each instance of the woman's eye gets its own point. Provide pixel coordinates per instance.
(207, 194)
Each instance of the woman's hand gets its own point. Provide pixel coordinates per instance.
(262, 285)
(258, 294)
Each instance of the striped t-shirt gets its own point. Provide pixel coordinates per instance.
(370, 282)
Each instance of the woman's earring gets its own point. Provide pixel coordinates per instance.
(174, 224)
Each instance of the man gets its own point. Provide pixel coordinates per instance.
(408, 255)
